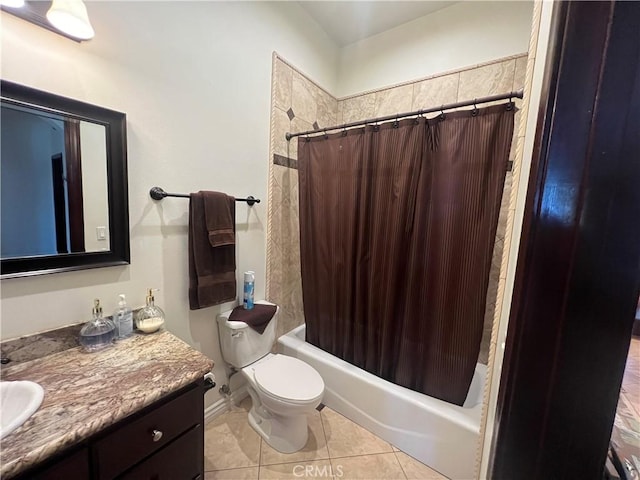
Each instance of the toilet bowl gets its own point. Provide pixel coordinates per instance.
(283, 389)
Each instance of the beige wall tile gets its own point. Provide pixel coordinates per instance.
(346, 438)
(283, 76)
(414, 470)
(357, 108)
(281, 125)
(277, 273)
(392, 101)
(435, 91)
(285, 471)
(520, 72)
(250, 473)
(230, 442)
(488, 80)
(327, 115)
(315, 449)
(297, 125)
(384, 466)
(303, 99)
(283, 179)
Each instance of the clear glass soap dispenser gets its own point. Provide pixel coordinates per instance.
(150, 318)
(98, 332)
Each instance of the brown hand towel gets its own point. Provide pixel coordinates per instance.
(212, 263)
(257, 318)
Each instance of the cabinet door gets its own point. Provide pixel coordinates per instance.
(73, 466)
(138, 438)
(180, 460)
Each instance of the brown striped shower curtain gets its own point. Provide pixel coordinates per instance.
(397, 228)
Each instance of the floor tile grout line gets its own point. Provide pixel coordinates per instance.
(324, 432)
(360, 455)
(400, 463)
(295, 461)
(229, 469)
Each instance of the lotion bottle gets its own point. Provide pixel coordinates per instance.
(150, 318)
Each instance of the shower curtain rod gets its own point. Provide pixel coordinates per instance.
(448, 106)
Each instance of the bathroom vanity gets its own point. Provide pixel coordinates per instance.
(133, 410)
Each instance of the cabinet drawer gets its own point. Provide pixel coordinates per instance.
(140, 437)
(181, 459)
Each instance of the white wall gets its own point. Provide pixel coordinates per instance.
(194, 79)
(95, 205)
(462, 35)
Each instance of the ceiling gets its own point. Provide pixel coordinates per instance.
(347, 22)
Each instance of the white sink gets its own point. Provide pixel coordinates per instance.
(18, 401)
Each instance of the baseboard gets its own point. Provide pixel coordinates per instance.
(224, 404)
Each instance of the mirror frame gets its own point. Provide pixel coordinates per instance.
(117, 186)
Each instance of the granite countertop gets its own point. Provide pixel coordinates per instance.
(87, 392)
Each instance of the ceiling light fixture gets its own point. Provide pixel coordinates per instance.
(12, 3)
(70, 17)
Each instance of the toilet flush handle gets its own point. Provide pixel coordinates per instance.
(238, 333)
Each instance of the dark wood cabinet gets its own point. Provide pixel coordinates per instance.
(162, 441)
(72, 465)
(178, 460)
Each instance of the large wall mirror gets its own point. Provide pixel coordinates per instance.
(63, 189)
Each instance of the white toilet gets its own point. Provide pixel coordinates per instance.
(283, 389)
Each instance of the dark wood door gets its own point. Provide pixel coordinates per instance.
(578, 273)
(59, 203)
(73, 157)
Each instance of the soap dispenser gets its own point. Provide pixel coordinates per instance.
(123, 318)
(98, 332)
(150, 318)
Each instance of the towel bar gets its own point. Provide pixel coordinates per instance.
(158, 193)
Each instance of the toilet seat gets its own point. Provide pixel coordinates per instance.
(288, 379)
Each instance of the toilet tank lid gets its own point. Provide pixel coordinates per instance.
(223, 317)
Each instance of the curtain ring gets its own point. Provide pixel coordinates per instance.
(307, 138)
(510, 105)
(396, 124)
(442, 115)
(474, 112)
(344, 132)
(326, 137)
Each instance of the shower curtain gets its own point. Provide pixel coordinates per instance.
(397, 227)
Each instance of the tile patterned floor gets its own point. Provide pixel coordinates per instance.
(626, 428)
(337, 449)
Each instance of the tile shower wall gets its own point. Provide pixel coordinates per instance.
(299, 104)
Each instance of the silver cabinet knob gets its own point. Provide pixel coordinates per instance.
(156, 435)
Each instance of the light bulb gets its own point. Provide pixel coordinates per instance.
(12, 3)
(70, 17)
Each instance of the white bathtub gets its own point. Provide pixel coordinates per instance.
(439, 434)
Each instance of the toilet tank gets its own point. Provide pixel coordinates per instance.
(240, 344)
